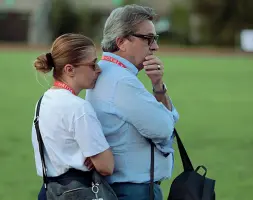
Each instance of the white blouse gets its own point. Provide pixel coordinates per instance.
(70, 131)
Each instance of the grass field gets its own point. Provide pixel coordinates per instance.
(212, 94)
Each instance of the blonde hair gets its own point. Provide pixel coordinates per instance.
(68, 48)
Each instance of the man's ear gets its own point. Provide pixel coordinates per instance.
(69, 70)
(121, 43)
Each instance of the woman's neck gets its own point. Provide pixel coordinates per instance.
(68, 85)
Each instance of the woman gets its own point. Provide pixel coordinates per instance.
(72, 135)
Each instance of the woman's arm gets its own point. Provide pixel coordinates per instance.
(92, 142)
(103, 162)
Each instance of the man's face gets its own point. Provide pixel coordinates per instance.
(142, 43)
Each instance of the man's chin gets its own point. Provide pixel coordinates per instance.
(140, 67)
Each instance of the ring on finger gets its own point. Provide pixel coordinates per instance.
(158, 67)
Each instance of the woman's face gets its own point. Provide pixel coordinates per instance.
(87, 72)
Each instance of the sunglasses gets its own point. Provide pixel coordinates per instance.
(149, 38)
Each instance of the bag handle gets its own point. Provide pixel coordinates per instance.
(41, 144)
(183, 154)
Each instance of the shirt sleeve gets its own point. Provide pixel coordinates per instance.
(174, 112)
(139, 107)
(89, 135)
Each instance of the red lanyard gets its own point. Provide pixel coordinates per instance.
(64, 86)
(113, 60)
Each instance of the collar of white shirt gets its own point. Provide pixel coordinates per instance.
(128, 64)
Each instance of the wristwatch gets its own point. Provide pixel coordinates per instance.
(163, 91)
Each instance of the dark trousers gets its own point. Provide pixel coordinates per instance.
(131, 191)
(66, 178)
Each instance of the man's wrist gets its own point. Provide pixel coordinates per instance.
(159, 88)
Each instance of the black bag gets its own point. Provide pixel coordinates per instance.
(190, 185)
(99, 189)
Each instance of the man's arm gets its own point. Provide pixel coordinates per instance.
(159, 92)
(154, 69)
(140, 108)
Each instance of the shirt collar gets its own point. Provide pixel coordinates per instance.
(128, 64)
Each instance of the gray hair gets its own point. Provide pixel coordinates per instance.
(122, 22)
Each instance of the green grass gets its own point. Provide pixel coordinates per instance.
(213, 96)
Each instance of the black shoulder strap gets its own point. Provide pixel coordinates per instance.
(152, 169)
(41, 144)
(183, 154)
(184, 157)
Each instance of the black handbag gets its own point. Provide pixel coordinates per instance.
(98, 189)
(191, 185)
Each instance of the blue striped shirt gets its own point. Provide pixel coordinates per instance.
(129, 114)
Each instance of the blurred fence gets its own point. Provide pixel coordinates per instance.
(185, 22)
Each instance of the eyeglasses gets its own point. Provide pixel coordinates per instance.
(93, 66)
(149, 38)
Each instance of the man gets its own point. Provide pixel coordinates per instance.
(129, 114)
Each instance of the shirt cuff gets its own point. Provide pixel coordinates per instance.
(166, 147)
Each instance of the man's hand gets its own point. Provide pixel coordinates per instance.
(154, 69)
(88, 164)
